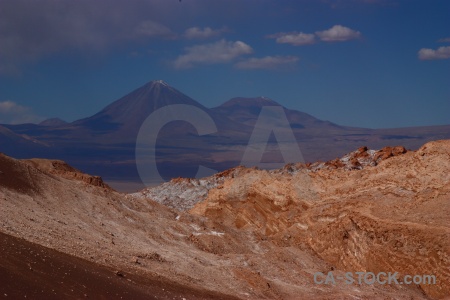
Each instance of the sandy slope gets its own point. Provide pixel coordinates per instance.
(36, 272)
(257, 234)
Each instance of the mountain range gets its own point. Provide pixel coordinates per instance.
(104, 144)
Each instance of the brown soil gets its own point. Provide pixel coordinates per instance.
(17, 176)
(35, 272)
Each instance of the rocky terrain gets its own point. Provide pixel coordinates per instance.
(183, 193)
(242, 234)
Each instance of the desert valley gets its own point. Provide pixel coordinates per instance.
(244, 233)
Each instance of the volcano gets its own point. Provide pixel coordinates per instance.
(125, 116)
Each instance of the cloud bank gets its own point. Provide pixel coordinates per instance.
(214, 53)
(431, 54)
(337, 33)
(31, 30)
(295, 38)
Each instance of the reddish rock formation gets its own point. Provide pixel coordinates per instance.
(61, 168)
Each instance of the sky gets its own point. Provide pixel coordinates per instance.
(362, 63)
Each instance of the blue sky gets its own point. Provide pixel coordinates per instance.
(365, 63)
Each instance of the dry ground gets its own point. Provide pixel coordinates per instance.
(258, 235)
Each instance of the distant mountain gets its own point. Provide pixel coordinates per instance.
(53, 122)
(19, 144)
(117, 123)
(247, 110)
(122, 119)
(104, 144)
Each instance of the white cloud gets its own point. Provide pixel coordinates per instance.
(338, 33)
(295, 38)
(219, 52)
(429, 54)
(268, 62)
(13, 113)
(444, 40)
(202, 33)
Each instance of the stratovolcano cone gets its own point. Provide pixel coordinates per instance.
(125, 116)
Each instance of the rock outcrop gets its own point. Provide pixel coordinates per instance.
(389, 217)
(62, 169)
